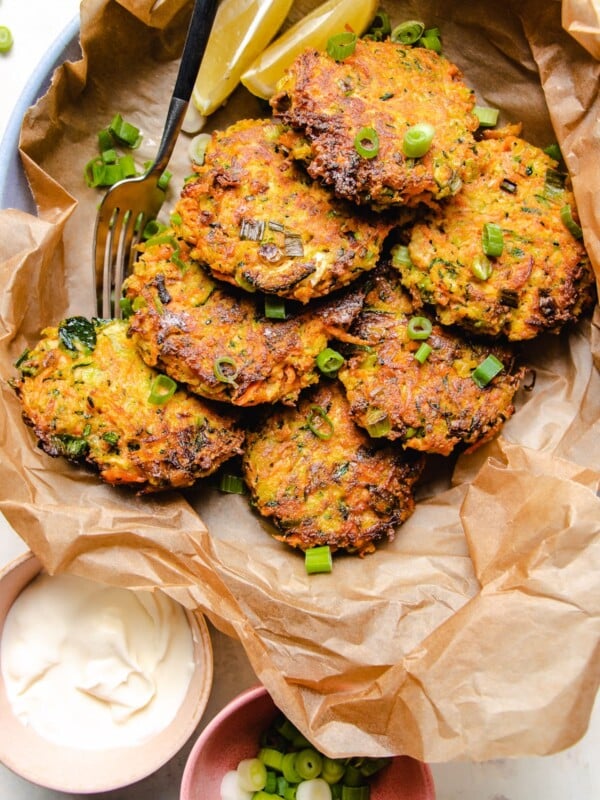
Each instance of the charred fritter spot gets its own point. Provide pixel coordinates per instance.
(257, 220)
(321, 480)
(386, 87)
(542, 279)
(90, 398)
(217, 341)
(433, 406)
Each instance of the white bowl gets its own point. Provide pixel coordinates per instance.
(73, 770)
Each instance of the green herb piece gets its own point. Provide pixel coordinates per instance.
(316, 559)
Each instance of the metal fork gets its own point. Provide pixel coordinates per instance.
(129, 204)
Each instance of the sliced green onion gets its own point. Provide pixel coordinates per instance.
(508, 186)
(329, 361)
(341, 45)
(164, 180)
(417, 140)
(127, 166)
(380, 26)
(124, 132)
(408, 32)
(105, 140)
(378, 424)
(252, 774)
(225, 369)
(366, 142)
(482, 267)
(319, 422)
(275, 784)
(288, 761)
(371, 766)
(112, 437)
(419, 328)
(554, 151)
(162, 389)
(401, 256)
(332, 769)
(309, 761)
(316, 559)
(292, 244)
(431, 40)
(109, 156)
(509, 297)
(271, 758)
(488, 117)
(176, 219)
(232, 484)
(151, 229)
(492, 239)
(6, 39)
(275, 307)
(566, 215)
(198, 146)
(487, 370)
(423, 352)
(554, 183)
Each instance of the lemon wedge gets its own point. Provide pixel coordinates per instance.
(334, 16)
(241, 31)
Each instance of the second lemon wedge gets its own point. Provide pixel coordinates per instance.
(313, 30)
(242, 29)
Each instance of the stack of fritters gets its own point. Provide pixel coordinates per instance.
(292, 209)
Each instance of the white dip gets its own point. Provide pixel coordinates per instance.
(92, 666)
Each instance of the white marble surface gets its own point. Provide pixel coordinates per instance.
(571, 775)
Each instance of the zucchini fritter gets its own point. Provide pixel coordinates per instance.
(322, 481)
(388, 88)
(541, 280)
(90, 398)
(217, 341)
(433, 406)
(257, 220)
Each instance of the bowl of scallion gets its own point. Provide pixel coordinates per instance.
(251, 751)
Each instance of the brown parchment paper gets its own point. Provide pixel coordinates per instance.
(475, 634)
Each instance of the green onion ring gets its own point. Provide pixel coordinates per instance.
(317, 559)
(423, 352)
(220, 374)
(408, 32)
(417, 140)
(419, 328)
(366, 142)
(317, 416)
(341, 45)
(275, 307)
(162, 389)
(329, 361)
(6, 39)
(482, 267)
(488, 369)
(566, 215)
(492, 239)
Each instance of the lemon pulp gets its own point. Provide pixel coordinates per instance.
(313, 30)
(241, 31)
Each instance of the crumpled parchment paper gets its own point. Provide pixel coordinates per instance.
(475, 634)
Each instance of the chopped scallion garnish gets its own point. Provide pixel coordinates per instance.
(341, 45)
(225, 369)
(380, 26)
(487, 370)
(162, 389)
(553, 150)
(329, 361)
(232, 484)
(423, 352)
(6, 39)
(417, 140)
(275, 307)
(508, 186)
(366, 142)
(408, 32)
(554, 183)
(401, 256)
(419, 328)
(487, 116)
(492, 239)
(198, 146)
(566, 215)
(482, 267)
(124, 132)
(164, 180)
(377, 423)
(319, 422)
(318, 559)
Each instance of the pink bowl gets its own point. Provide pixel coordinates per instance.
(233, 735)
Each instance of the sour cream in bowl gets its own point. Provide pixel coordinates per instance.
(99, 685)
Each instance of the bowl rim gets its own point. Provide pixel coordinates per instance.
(46, 764)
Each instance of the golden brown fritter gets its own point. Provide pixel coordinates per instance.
(542, 279)
(90, 398)
(257, 220)
(217, 341)
(432, 406)
(322, 481)
(389, 88)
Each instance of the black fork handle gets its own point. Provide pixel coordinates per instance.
(201, 22)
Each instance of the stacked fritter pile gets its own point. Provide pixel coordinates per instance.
(424, 261)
